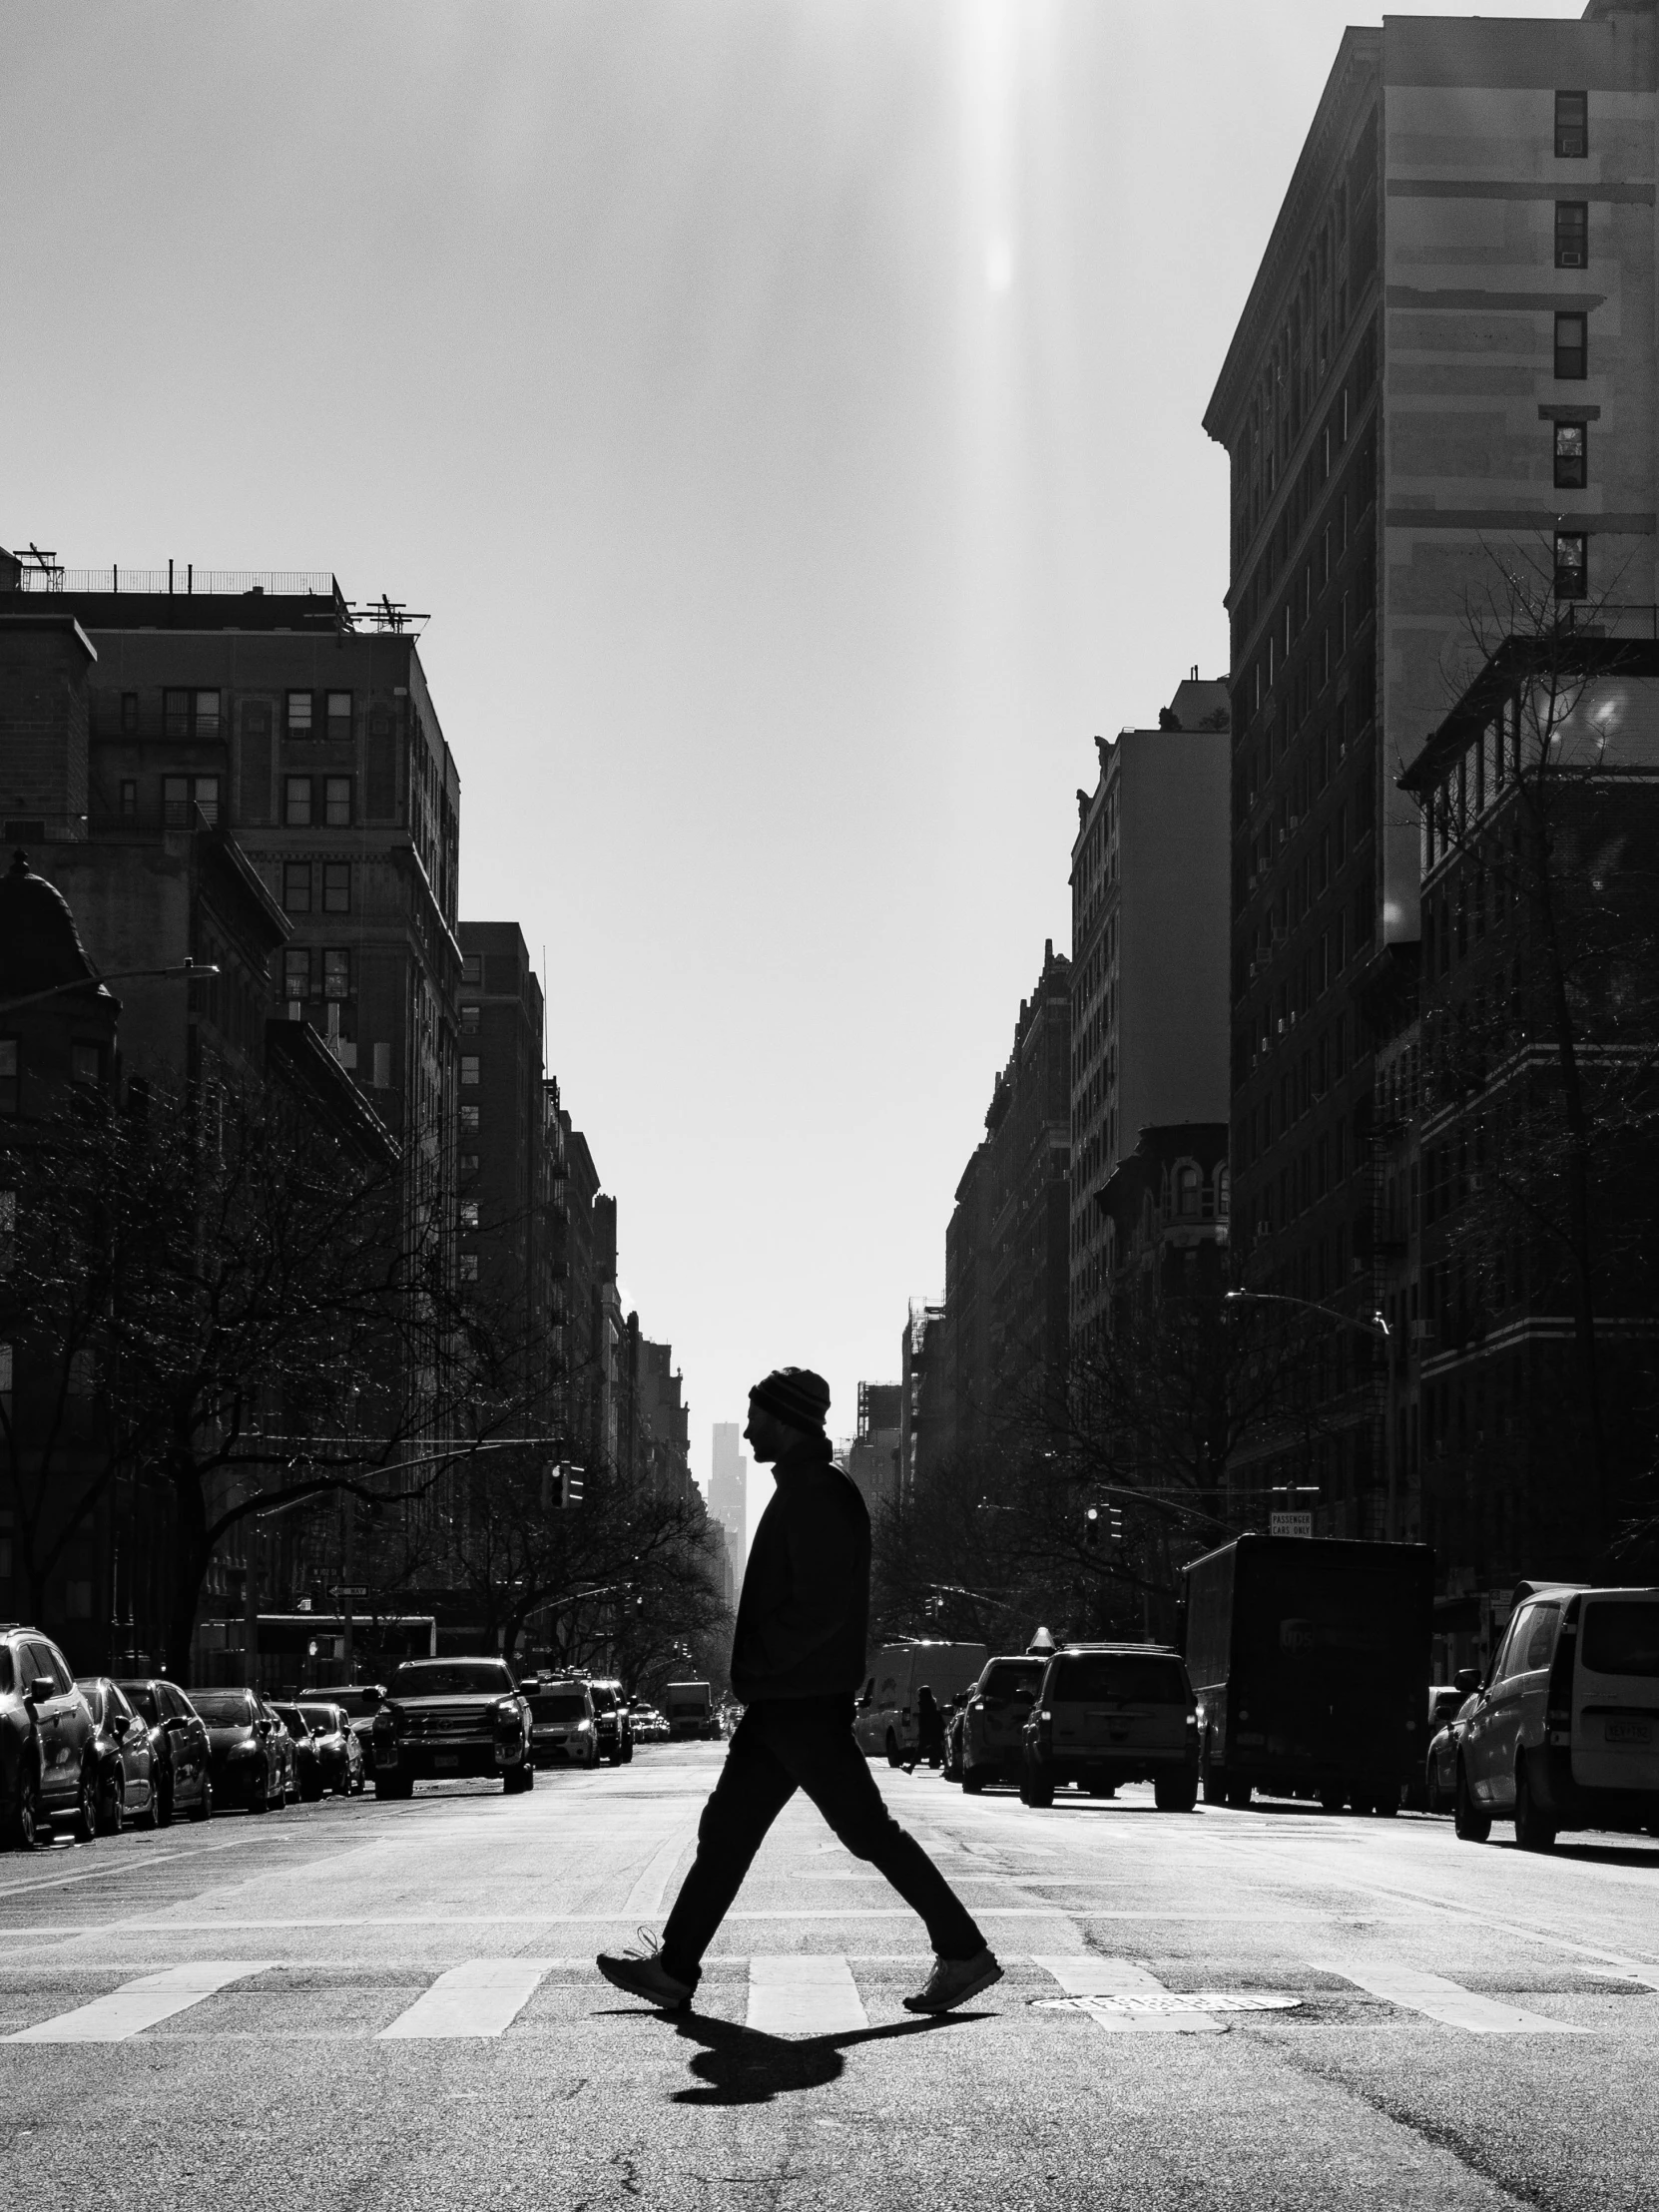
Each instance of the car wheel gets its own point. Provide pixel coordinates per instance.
(163, 1800)
(1533, 1831)
(1363, 1804)
(202, 1810)
(393, 1786)
(259, 1800)
(83, 1822)
(151, 1817)
(1471, 1820)
(1177, 1795)
(1332, 1801)
(1214, 1789)
(23, 1825)
(312, 1789)
(973, 1781)
(1238, 1791)
(1432, 1799)
(1036, 1790)
(111, 1813)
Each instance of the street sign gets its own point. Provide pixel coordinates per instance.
(1289, 1524)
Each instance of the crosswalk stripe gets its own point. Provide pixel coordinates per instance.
(796, 1995)
(1416, 1990)
(482, 1997)
(1088, 1976)
(138, 2005)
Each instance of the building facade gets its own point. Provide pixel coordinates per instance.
(729, 1496)
(875, 1459)
(1149, 934)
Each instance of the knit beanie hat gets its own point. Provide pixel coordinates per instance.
(794, 1395)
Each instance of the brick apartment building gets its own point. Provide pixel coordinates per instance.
(1445, 369)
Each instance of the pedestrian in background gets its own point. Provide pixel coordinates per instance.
(797, 1658)
(930, 1731)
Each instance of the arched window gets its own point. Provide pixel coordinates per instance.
(1187, 1183)
(1224, 1192)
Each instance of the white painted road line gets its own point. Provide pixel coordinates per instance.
(1089, 1978)
(1431, 1994)
(646, 1896)
(483, 1998)
(138, 2005)
(801, 1996)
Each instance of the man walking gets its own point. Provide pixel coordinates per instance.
(797, 1658)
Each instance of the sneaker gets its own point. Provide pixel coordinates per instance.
(953, 1981)
(642, 1973)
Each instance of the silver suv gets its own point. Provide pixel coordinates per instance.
(45, 1735)
(1111, 1713)
(1564, 1731)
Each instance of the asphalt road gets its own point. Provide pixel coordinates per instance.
(361, 2005)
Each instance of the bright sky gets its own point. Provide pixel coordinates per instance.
(788, 413)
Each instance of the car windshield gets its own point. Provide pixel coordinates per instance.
(603, 1700)
(1125, 1676)
(453, 1678)
(224, 1708)
(559, 1705)
(1005, 1678)
(288, 1715)
(143, 1700)
(321, 1716)
(1621, 1636)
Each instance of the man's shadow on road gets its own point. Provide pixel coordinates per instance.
(744, 2065)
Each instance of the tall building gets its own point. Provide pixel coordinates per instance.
(1028, 1165)
(873, 1460)
(1444, 371)
(656, 1420)
(924, 1416)
(1148, 948)
(503, 1232)
(729, 1496)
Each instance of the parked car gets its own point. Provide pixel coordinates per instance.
(308, 1764)
(646, 1724)
(179, 1741)
(1564, 1731)
(287, 1754)
(610, 1711)
(1440, 1759)
(245, 1760)
(992, 1732)
(1422, 1793)
(359, 1702)
(1112, 1713)
(563, 1729)
(885, 1722)
(46, 1771)
(445, 1717)
(125, 1765)
(339, 1749)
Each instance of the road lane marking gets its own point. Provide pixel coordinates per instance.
(138, 2005)
(800, 1995)
(1431, 1994)
(135, 1862)
(645, 1899)
(482, 1997)
(1108, 1990)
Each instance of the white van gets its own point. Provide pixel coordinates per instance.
(885, 1720)
(1564, 1731)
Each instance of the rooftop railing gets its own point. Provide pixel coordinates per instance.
(187, 581)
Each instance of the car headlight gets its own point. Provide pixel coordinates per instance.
(506, 1713)
(582, 1727)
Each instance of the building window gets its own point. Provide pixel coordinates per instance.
(86, 1063)
(297, 887)
(469, 1070)
(336, 886)
(469, 1119)
(8, 1075)
(176, 714)
(469, 1267)
(296, 803)
(1572, 126)
(1571, 347)
(470, 1212)
(296, 972)
(129, 711)
(469, 1020)
(1187, 1182)
(1571, 456)
(337, 802)
(336, 974)
(129, 798)
(205, 792)
(1573, 234)
(206, 714)
(176, 802)
(300, 714)
(472, 970)
(339, 714)
(1571, 564)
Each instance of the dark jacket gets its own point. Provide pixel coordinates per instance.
(804, 1615)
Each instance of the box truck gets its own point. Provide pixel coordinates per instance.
(689, 1710)
(1310, 1658)
(886, 1721)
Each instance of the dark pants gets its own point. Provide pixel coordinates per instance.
(802, 1744)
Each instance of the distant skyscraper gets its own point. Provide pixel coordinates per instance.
(728, 1497)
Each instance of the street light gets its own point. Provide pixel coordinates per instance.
(187, 971)
(1378, 1326)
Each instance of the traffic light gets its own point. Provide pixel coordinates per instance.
(570, 1484)
(1114, 1527)
(1091, 1525)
